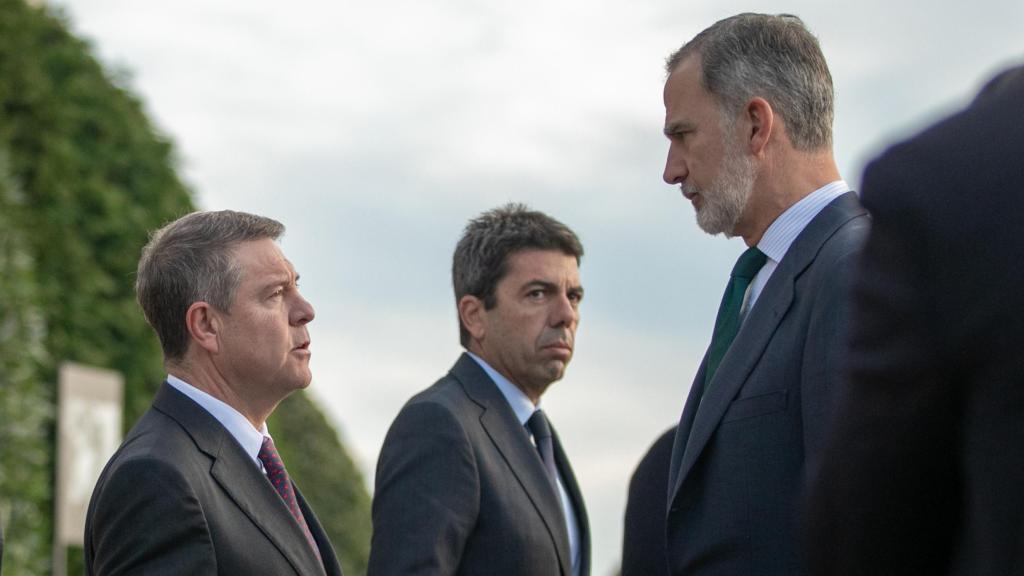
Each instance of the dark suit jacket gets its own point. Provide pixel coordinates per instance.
(643, 539)
(924, 473)
(460, 489)
(737, 465)
(180, 496)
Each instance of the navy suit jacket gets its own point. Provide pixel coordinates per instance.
(460, 489)
(737, 468)
(180, 496)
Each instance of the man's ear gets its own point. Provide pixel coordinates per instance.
(203, 324)
(760, 120)
(471, 312)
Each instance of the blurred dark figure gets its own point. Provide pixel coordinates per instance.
(924, 472)
(643, 540)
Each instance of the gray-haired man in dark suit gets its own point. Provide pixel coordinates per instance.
(197, 487)
(748, 115)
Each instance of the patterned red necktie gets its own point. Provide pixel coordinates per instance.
(278, 476)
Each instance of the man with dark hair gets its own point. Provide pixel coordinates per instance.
(748, 115)
(472, 479)
(198, 487)
(923, 470)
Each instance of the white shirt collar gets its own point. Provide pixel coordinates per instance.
(783, 231)
(515, 397)
(247, 436)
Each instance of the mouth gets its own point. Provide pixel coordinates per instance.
(304, 347)
(558, 349)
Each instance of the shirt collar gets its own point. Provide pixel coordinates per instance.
(247, 436)
(783, 231)
(515, 397)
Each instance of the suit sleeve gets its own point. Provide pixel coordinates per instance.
(146, 520)
(825, 345)
(427, 494)
(883, 461)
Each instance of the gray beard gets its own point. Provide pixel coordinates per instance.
(725, 199)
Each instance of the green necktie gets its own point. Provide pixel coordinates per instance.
(728, 322)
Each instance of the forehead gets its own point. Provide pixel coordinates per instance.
(548, 265)
(684, 92)
(262, 260)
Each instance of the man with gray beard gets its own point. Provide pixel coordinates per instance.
(748, 116)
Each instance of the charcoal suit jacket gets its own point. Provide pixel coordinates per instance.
(460, 489)
(180, 496)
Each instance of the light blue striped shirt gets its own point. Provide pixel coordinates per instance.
(247, 436)
(524, 408)
(784, 230)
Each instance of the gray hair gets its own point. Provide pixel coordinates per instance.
(772, 57)
(481, 256)
(190, 260)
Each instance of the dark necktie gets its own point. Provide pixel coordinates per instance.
(278, 476)
(728, 322)
(541, 430)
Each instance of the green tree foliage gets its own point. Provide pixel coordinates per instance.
(84, 178)
(25, 407)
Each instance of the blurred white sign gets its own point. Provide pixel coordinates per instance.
(88, 432)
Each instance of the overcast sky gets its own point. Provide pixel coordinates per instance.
(374, 130)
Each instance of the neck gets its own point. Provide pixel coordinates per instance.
(205, 376)
(532, 394)
(781, 185)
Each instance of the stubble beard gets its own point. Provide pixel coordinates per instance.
(724, 201)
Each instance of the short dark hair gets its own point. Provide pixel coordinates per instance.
(190, 260)
(774, 57)
(481, 256)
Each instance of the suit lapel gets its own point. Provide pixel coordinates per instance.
(241, 479)
(685, 428)
(753, 337)
(511, 441)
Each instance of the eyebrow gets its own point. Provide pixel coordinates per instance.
(551, 286)
(673, 128)
(539, 284)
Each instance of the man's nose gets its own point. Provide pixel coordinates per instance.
(675, 167)
(302, 312)
(565, 312)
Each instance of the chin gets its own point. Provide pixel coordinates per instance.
(556, 370)
(301, 382)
